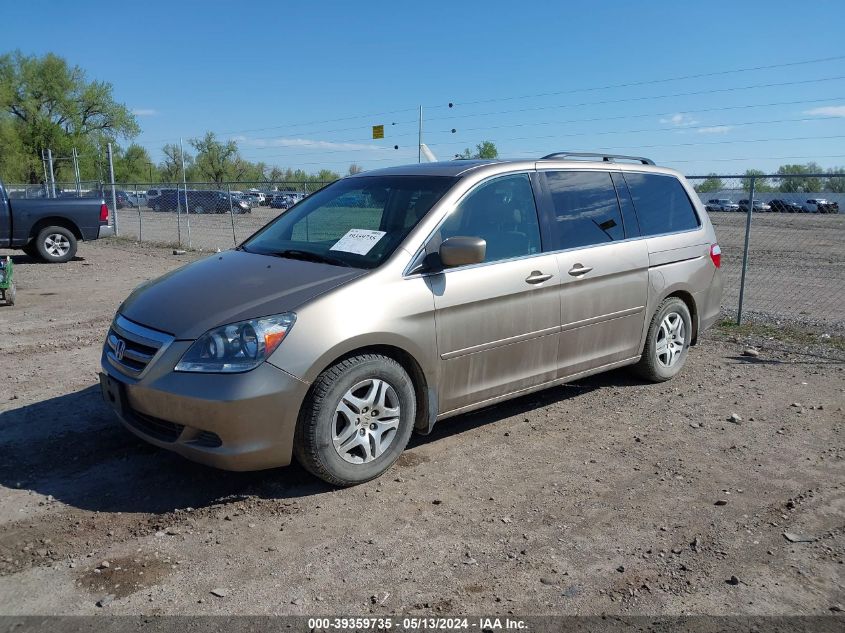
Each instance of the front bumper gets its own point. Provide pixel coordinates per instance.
(230, 421)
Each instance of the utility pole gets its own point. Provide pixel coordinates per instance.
(419, 139)
(75, 155)
(113, 193)
(52, 175)
(185, 186)
(44, 164)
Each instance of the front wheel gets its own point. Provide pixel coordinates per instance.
(667, 343)
(357, 420)
(56, 244)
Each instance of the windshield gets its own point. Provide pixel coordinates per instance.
(355, 222)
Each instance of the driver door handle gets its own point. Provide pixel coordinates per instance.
(537, 277)
(578, 270)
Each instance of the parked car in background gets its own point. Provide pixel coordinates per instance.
(286, 199)
(49, 228)
(153, 196)
(280, 201)
(493, 279)
(820, 205)
(216, 202)
(759, 206)
(168, 200)
(121, 197)
(256, 197)
(200, 201)
(137, 198)
(785, 206)
(721, 204)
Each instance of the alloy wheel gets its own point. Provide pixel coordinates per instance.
(366, 421)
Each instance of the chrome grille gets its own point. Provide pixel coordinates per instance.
(130, 348)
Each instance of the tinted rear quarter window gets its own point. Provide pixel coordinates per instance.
(586, 210)
(661, 203)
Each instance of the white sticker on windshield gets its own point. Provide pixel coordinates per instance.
(358, 241)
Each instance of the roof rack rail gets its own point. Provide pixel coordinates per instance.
(607, 158)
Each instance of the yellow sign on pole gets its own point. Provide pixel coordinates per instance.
(378, 131)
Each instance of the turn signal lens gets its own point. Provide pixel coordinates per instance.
(104, 213)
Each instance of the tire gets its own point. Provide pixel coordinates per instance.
(352, 385)
(653, 364)
(56, 244)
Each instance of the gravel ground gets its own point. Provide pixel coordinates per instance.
(607, 495)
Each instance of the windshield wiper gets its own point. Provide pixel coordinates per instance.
(310, 257)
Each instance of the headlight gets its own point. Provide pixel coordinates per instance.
(237, 347)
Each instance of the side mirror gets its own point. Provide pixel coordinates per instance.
(461, 251)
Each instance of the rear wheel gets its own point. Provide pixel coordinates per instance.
(667, 343)
(357, 420)
(56, 244)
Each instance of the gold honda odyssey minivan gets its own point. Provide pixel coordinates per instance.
(393, 299)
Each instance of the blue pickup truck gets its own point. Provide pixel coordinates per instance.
(49, 228)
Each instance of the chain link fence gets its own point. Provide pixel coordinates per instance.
(783, 255)
(203, 216)
(783, 246)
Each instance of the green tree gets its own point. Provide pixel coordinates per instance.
(485, 149)
(45, 103)
(761, 185)
(170, 169)
(800, 183)
(835, 184)
(133, 165)
(216, 161)
(710, 184)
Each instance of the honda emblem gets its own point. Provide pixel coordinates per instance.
(119, 349)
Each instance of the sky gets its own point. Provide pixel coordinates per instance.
(701, 87)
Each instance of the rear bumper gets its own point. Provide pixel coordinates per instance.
(105, 231)
(228, 421)
(709, 302)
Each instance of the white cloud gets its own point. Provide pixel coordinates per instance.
(827, 111)
(679, 120)
(304, 143)
(144, 112)
(716, 129)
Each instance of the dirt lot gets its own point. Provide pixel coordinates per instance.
(604, 496)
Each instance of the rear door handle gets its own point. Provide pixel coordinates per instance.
(578, 270)
(537, 277)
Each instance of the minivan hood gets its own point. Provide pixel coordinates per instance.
(229, 287)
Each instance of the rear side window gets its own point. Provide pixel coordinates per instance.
(586, 210)
(662, 204)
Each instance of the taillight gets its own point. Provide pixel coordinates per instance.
(716, 255)
(104, 213)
